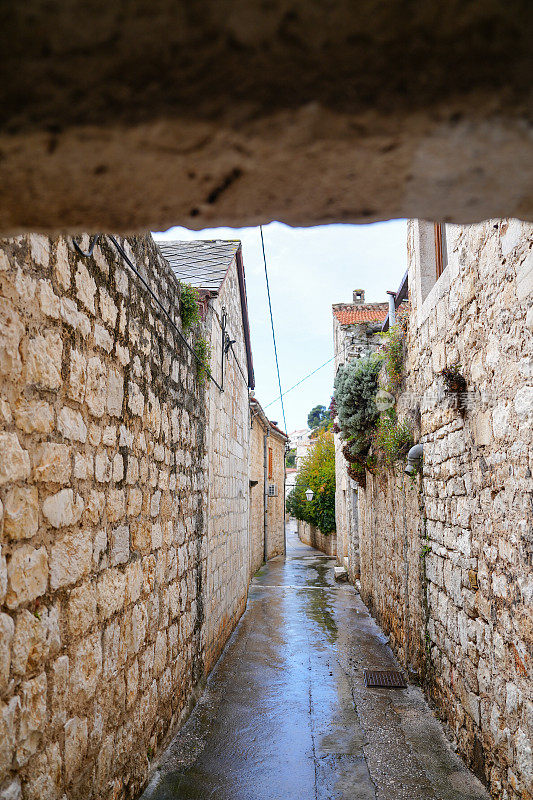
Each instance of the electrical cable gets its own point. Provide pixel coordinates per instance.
(272, 325)
(301, 381)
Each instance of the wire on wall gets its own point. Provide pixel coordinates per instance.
(272, 325)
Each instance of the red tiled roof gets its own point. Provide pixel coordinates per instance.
(353, 313)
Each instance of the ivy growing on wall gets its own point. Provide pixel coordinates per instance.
(392, 437)
(393, 353)
(189, 306)
(190, 317)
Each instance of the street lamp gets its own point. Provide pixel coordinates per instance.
(309, 494)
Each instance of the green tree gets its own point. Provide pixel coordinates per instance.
(317, 472)
(317, 417)
(290, 458)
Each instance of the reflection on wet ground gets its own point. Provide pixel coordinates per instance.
(286, 715)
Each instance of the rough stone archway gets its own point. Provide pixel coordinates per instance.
(127, 117)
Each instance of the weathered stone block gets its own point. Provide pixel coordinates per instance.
(71, 558)
(43, 362)
(85, 287)
(96, 390)
(35, 416)
(71, 426)
(85, 669)
(115, 395)
(59, 677)
(53, 463)
(81, 610)
(120, 545)
(110, 592)
(7, 630)
(21, 512)
(44, 771)
(141, 535)
(32, 717)
(75, 746)
(9, 718)
(63, 508)
(27, 575)
(116, 505)
(11, 332)
(36, 638)
(15, 462)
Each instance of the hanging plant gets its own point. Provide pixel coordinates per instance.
(455, 384)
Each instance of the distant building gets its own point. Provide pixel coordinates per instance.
(267, 487)
(356, 327)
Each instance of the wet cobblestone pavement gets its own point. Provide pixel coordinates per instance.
(286, 715)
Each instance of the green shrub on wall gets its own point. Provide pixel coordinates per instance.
(189, 306)
(392, 437)
(317, 472)
(393, 352)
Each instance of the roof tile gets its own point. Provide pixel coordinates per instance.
(353, 313)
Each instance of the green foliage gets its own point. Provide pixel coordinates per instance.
(392, 438)
(290, 458)
(393, 352)
(203, 351)
(356, 385)
(317, 472)
(189, 306)
(317, 417)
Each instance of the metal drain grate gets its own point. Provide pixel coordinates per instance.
(384, 679)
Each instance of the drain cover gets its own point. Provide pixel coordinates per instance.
(384, 679)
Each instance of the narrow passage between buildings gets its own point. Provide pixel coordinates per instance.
(286, 715)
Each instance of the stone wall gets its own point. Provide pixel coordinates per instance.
(103, 565)
(228, 559)
(350, 342)
(463, 619)
(260, 427)
(309, 534)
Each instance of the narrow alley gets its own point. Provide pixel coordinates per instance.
(286, 713)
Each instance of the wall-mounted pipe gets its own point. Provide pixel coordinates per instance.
(414, 459)
(392, 308)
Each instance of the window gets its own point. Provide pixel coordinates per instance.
(269, 463)
(441, 255)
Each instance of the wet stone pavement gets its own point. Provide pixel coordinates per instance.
(286, 715)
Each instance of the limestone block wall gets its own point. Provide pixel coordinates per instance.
(103, 563)
(275, 505)
(473, 527)
(350, 342)
(228, 560)
(309, 534)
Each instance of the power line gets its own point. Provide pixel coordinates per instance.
(299, 382)
(272, 325)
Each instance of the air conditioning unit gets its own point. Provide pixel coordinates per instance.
(272, 490)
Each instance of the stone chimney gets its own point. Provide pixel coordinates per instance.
(359, 295)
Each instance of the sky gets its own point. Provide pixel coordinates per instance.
(309, 269)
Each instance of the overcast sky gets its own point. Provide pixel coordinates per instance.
(309, 269)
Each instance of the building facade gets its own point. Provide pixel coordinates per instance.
(124, 503)
(446, 559)
(356, 328)
(267, 488)
(215, 268)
